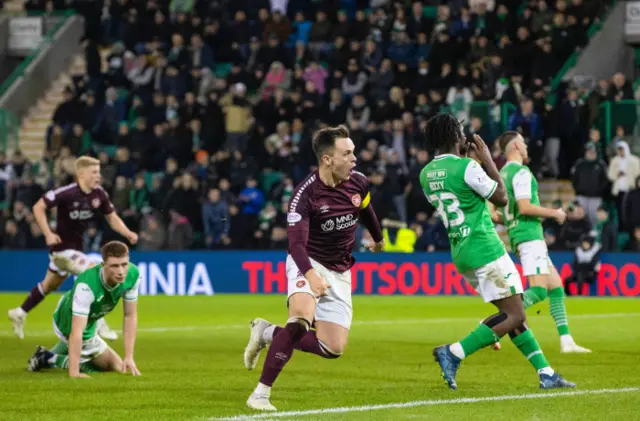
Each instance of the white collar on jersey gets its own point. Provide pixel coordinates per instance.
(444, 155)
(103, 282)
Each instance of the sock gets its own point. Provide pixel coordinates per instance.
(34, 298)
(262, 390)
(533, 296)
(270, 333)
(476, 340)
(311, 344)
(528, 346)
(558, 310)
(281, 349)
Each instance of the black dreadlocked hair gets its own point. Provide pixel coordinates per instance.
(442, 133)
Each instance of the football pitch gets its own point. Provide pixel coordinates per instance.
(190, 352)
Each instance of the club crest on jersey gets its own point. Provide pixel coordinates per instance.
(95, 203)
(356, 200)
(300, 283)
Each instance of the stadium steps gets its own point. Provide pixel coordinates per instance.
(33, 131)
(550, 191)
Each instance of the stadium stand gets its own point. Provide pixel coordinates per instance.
(202, 112)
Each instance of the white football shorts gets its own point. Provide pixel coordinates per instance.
(336, 307)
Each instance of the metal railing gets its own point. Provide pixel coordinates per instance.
(9, 131)
(35, 74)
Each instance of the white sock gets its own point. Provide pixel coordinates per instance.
(52, 360)
(267, 334)
(566, 340)
(262, 390)
(21, 312)
(456, 349)
(547, 370)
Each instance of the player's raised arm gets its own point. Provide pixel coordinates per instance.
(493, 189)
(82, 300)
(298, 234)
(130, 328)
(522, 192)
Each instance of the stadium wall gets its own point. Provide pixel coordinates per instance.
(263, 272)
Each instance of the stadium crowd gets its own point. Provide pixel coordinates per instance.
(202, 112)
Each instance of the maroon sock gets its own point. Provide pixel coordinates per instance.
(280, 351)
(33, 299)
(310, 343)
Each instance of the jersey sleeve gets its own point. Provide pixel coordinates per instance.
(364, 182)
(478, 180)
(298, 220)
(54, 197)
(106, 207)
(299, 210)
(82, 299)
(132, 294)
(522, 184)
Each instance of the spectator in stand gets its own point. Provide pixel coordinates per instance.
(589, 178)
(620, 88)
(586, 264)
(624, 169)
(215, 214)
(180, 232)
(634, 244)
(606, 231)
(574, 227)
(631, 206)
(152, 233)
(92, 239)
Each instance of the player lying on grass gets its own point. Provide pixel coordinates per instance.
(76, 205)
(322, 218)
(95, 294)
(458, 188)
(521, 215)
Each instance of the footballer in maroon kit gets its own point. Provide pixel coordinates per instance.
(321, 224)
(76, 205)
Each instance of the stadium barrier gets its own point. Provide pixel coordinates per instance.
(258, 272)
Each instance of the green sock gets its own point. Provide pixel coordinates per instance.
(478, 339)
(61, 361)
(558, 310)
(533, 296)
(528, 345)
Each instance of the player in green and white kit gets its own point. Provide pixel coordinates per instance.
(95, 294)
(459, 188)
(521, 215)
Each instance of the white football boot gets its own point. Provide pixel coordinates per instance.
(256, 343)
(105, 332)
(18, 318)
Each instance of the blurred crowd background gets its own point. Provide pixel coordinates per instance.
(202, 113)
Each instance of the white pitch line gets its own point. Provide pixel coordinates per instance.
(357, 322)
(414, 404)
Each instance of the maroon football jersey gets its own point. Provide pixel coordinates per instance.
(330, 215)
(75, 209)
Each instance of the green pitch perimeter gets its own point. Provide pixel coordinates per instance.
(190, 353)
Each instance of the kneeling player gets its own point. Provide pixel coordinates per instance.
(76, 205)
(321, 221)
(95, 293)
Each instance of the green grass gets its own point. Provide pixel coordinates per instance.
(190, 351)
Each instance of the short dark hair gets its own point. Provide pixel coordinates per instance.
(114, 249)
(325, 139)
(442, 133)
(505, 138)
